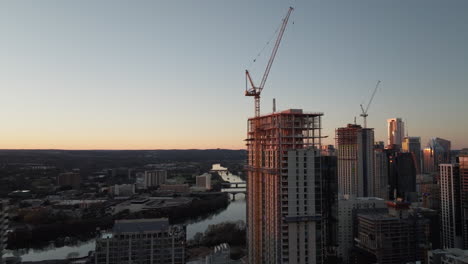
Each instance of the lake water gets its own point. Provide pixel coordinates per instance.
(234, 211)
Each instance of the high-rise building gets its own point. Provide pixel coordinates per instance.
(428, 190)
(436, 152)
(401, 175)
(142, 241)
(355, 147)
(381, 187)
(463, 170)
(393, 236)
(347, 206)
(328, 150)
(396, 131)
(123, 189)
(330, 203)
(3, 227)
(155, 178)
(284, 196)
(428, 160)
(451, 216)
(413, 145)
(72, 179)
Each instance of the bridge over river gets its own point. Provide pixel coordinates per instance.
(234, 188)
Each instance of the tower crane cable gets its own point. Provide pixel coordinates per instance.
(364, 111)
(255, 91)
(264, 47)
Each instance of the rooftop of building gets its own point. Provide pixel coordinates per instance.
(377, 215)
(140, 225)
(149, 203)
(292, 112)
(351, 197)
(394, 119)
(455, 253)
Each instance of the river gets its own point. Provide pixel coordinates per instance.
(234, 211)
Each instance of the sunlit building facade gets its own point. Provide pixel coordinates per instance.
(436, 152)
(284, 191)
(355, 150)
(413, 145)
(396, 131)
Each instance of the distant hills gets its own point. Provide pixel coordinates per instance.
(117, 158)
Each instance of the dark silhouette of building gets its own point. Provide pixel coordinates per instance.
(438, 151)
(391, 237)
(330, 204)
(401, 175)
(463, 167)
(72, 179)
(413, 145)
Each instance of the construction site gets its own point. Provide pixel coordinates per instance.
(284, 195)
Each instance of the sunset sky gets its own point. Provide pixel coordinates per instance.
(117, 74)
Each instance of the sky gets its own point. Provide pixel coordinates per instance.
(114, 74)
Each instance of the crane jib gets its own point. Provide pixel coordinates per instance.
(256, 90)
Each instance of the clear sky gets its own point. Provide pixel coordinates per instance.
(116, 74)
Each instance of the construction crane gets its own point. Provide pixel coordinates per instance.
(255, 91)
(364, 112)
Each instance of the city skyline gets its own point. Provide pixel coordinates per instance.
(108, 75)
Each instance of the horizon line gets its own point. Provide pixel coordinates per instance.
(122, 149)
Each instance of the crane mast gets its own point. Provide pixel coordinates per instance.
(364, 111)
(255, 91)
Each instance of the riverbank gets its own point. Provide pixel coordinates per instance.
(66, 232)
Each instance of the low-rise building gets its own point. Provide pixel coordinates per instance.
(178, 188)
(142, 241)
(447, 256)
(72, 179)
(221, 254)
(123, 189)
(204, 181)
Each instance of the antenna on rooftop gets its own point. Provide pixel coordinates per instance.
(274, 105)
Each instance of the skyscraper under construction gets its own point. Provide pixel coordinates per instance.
(284, 191)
